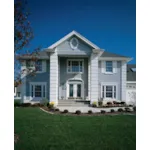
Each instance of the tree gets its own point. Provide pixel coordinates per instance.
(22, 28)
(23, 34)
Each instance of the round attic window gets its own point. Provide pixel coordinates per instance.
(74, 43)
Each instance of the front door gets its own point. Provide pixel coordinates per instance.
(75, 91)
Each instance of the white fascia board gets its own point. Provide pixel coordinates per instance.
(71, 34)
(127, 59)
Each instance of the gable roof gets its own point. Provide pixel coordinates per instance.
(131, 75)
(109, 54)
(71, 34)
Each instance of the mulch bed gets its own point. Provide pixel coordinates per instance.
(87, 114)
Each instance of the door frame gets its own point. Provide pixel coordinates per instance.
(75, 82)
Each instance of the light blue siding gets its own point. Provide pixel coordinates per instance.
(39, 77)
(83, 48)
(116, 77)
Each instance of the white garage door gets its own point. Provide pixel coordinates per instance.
(131, 94)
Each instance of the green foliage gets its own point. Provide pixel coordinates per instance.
(90, 112)
(120, 110)
(65, 111)
(44, 101)
(103, 111)
(112, 110)
(78, 112)
(100, 103)
(94, 104)
(17, 103)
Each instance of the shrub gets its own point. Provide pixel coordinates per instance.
(134, 108)
(100, 103)
(103, 111)
(90, 112)
(65, 111)
(120, 110)
(44, 102)
(114, 102)
(25, 104)
(122, 103)
(109, 103)
(112, 110)
(94, 104)
(78, 112)
(56, 109)
(17, 103)
(51, 105)
(127, 109)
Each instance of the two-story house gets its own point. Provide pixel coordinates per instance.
(74, 68)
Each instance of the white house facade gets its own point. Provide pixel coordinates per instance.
(76, 69)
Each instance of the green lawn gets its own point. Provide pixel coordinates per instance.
(38, 130)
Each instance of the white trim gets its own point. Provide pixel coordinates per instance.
(41, 84)
(115, 58)
(71, 45)
(131, 82)
(71, 66)
(82, 87)
(71, 34)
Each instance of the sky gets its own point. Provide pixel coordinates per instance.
(110, 24)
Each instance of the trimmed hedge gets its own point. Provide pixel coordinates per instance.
(78, 112)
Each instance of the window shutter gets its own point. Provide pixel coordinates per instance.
(43, 65)
(114, 66)
(103, 67)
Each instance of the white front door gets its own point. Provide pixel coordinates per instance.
(75, 90)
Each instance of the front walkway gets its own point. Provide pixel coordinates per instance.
(86, 109)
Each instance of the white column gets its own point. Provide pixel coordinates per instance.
(89, 78)
(123, 80)
(53, 78)
(23, 81)
(94, 77)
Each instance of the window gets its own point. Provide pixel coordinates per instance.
(109, 66)
(38, 89)
(18, 94)
(74, 66)
(38, 65)
(109, 91)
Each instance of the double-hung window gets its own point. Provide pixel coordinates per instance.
(74, 66)
(109, 66)
(109, 91)
(38, 90)
(38, 65)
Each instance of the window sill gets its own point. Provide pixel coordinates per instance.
(109, 73)
(74, 72)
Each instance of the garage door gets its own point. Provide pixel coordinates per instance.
(131, 94)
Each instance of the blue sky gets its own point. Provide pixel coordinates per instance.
(110, 24)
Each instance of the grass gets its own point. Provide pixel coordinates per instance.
(38, 130)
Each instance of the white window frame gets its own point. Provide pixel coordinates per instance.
(82, 60)
(109, 72)
(42, 84)
(109, 84)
